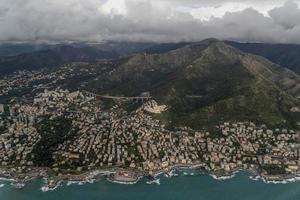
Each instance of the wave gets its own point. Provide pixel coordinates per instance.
(18, 185)
(170, 174)
(46, 188)
(255, 178)
(284, 181)
(188, 173)
(80, 182)
(7, 179)
(222, 178)
(125, 182)
(155, 181)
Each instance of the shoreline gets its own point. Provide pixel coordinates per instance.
(113, 175)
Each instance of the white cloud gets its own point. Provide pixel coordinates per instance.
(145, 20)
(116, 7)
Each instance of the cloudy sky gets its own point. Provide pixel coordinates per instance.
(274, 21)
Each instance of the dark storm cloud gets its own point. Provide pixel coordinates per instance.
(287, 16)
(142, 20)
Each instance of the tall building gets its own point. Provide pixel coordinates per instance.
(11, 111)
(31, 119)
(1, 108)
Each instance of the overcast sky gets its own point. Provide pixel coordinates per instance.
(275, 21)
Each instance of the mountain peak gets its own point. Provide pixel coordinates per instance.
(210, 40)
(205, 43)
(225, 83)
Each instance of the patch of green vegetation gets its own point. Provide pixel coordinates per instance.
(259, 102)
(53, 132)
(131, 106)
(107, 104)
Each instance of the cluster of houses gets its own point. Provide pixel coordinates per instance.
(34, 80)
(115, 137)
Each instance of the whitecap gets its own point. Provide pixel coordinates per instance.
(18, 185)
(158, 174)
(222, 178)
(123, 182)
(255, 178)
(46, 188)
(172, 173)
(7, 179)
(155, 181)
(284, 181)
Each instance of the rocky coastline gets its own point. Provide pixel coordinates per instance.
(129, 176)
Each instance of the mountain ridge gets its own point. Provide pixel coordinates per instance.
(286, 55)
(52, 57)
(229, 84)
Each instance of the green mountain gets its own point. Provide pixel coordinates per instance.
(209, 82)
(286, 55)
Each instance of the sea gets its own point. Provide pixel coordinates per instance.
(181, 185)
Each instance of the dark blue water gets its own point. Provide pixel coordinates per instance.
(182, 187)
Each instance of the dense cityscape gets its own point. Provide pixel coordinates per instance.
(65, 134)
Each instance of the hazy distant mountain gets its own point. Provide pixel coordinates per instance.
(15, 57)
(165, 47)
(209, 82)
(53, 57)
(286, 55)
(124, 48)
(13, 49)
(129, 48)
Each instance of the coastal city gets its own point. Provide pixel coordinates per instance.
(71, 133)
(150, 99)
